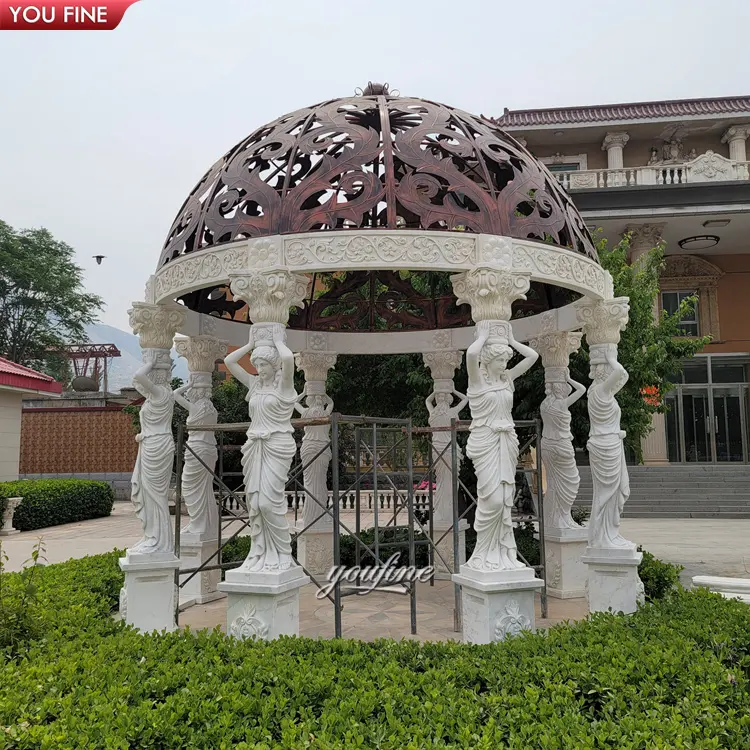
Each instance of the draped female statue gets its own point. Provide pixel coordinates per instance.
(493, 444)
(558, 454)
(153, 466)
(441, 410)
(606, 450)
(197, 480)
(269, 449)
(316, 439)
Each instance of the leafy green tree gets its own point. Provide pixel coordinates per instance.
(43, 305)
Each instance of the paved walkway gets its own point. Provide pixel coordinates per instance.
(703, 546)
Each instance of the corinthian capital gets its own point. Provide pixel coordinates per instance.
(736, 133)
(201, 352)
(270, 294)
(156, 325)
(603, 319)
(490, 292)
(315, 365)
(443, 364)
(644, 236)
(555, 348)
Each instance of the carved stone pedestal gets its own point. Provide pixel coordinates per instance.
(445, 547)
(10, 507)
(263, 605)
(315, 551)
(149, 596)
(566, 572)
(202, 587)
(498, 604)
(613, 582)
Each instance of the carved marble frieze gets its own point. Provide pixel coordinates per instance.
(369, 250)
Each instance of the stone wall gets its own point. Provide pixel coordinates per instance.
(10, 422)
(88, 443)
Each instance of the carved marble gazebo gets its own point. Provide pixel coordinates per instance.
(320, 213)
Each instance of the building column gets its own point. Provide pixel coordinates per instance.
(564, 539)
(736, 136)
(315, 533)
(643, 238)
(613, 144)
(149, 595)
(265, 603)
(442, 409)
(496, 601)
(199, 538)
(612, 560)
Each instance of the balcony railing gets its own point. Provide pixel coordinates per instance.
(708, 167)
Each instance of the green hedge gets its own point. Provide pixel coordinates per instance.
(673, 675)
(659, 577)
(50, 502)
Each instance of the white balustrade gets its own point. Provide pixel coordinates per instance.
(295, 500)
(708, 167)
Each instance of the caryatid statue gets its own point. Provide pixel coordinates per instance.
(315, 450)
(603, 320)
(442, 410)
(201, 453)
(558, 454)
(270, 447)
(155, 325)
(493, 443)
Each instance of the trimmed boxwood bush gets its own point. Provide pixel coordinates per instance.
(659, 577)
(676, 674)
(50, 502)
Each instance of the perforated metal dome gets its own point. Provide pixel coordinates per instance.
(376, 161)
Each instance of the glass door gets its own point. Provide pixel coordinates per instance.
(697, 429)
(728, 424)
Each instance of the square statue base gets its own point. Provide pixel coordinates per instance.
(263, 605)
(315, 551)
(566, 573)
(496, 604)
(202, 587)
(613, 582)
(445, 548)
(149, 597)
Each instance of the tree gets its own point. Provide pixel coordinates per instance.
(43, 306)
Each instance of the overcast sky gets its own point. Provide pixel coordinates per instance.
(103, 134)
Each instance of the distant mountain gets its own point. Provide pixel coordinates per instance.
(122, 369)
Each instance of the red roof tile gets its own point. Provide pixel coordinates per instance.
(18, 376)
(615, 112)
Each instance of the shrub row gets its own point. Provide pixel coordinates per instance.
(674, 675)
(50, 502)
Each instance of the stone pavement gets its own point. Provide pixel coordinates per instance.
(381, 615)
(703, 546)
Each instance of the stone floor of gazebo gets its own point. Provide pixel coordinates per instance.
(382, 615)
